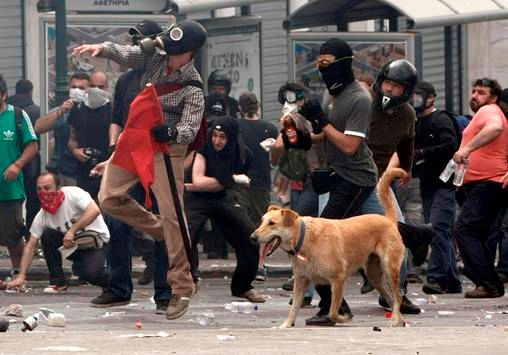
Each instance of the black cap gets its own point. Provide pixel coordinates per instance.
(337, 47)
(504, 96)
(424, 86)
(145, 28)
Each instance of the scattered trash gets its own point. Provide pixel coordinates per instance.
(206, 318)
(376, 329)
(226, 278)
(388, 314)
(4, 325)
(45, 312)
(420, 301)
(225, 337)
(15, 310)
(62, 348)
(139, 325)
(56, 320)
(31, 322)
(432, 299)
(446, 313)
(112, 314)
(241, 307)
(488, 316)
(142, 335)
(132, 305)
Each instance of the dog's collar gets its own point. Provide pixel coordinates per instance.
(299, 244)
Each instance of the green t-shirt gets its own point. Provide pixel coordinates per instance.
(10, 151)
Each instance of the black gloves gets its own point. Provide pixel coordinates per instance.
(313, 113)
(418, 155)
(164, 133)
(303, 140)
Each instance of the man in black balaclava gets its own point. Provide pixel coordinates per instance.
(218, 102)
(343, 127)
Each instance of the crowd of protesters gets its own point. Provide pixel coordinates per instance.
(213, 186)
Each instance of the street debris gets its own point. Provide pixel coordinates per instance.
(145, 335)
(446, 313)
(14, 310)
(206, 318)
(31, 322)
(4, 325)
(56, 320)
(241, 307)
(432, 299)
(112, 314)
(139, 325)
(420, 301)
(376, 329)
(221, 337)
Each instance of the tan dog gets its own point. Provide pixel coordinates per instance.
(327, 251)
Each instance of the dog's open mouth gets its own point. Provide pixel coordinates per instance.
(271, 246)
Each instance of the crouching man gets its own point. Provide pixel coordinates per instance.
(67, 213)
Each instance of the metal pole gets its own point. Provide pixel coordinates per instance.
(178, 208)
(61, 85)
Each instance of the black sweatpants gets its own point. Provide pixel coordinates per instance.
(235, 225)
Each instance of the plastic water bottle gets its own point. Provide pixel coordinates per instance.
(241, 307)
(205, 319)
(448, 171)
(459, 174)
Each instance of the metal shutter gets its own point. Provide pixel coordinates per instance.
(11, 42)
(274, 62)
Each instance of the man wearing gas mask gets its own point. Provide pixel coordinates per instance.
(435, 142)
(88, 140)
(218, 102)
(168, 63)
(63, 162)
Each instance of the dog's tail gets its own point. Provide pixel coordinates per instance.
(384, 192)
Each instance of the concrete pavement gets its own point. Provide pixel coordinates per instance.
(475, 327)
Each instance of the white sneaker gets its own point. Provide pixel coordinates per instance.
(56, 290)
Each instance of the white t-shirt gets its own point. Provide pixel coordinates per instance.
(72, 209)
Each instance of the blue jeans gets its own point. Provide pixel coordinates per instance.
(346, 200)
(373, 205)
(305, 202)
(120, 263)
(439, 210)
(483, 202)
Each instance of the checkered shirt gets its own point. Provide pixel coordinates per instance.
(183, 108)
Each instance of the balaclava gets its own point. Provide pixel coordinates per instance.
(338, 75)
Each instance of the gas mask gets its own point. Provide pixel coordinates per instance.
(289, 101)
(96, 98)
(186, 36)
(77, 95)
(419, 101)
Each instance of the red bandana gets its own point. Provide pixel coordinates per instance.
(51, 200)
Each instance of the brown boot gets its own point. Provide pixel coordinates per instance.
(253, 296)
(178, 305)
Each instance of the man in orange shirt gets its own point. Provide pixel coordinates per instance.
(484, 148)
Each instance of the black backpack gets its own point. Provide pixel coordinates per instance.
(458, 124)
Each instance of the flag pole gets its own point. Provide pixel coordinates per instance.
(178, 207)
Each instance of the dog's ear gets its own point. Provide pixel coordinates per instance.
(289, 217)
(273, 208)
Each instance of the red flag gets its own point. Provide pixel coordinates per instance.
(136, 147)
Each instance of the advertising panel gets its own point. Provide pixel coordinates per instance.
(371, 51)
(237, 50)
